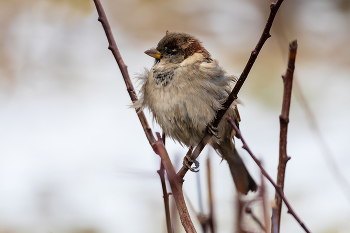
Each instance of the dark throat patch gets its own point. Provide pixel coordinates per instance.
(163, 77)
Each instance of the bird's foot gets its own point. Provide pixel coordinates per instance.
(187, 160)
(214, 131)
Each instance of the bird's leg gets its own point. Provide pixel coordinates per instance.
(213, 130)
(187, 160)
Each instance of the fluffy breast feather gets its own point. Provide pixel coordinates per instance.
(189, 102)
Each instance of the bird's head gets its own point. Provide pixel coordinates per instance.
(175, 47)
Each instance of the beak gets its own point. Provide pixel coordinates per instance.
(153, 52)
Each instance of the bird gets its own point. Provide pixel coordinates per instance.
(183, 90)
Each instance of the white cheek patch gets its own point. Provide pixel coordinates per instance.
(192, 59)
(207, 65)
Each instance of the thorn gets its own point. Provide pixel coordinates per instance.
(288, 158)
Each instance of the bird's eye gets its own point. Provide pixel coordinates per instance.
(170, 51)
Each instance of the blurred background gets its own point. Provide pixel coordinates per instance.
(73, 156)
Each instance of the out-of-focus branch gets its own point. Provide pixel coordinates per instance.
(264, 204)
(207, 222)
(327, 152)
(233, 95)
(284, 120)
(166, 198)
(239, 215)
(278, 189)
(274, 223)
(157, 145)
(200, 217)
(249, 211)
(211, 217)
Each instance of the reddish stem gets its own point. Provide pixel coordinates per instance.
(284, 120)
(157, 145)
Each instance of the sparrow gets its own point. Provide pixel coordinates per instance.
(184, 90)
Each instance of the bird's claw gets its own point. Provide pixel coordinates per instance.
(188, 159)
(214, 131)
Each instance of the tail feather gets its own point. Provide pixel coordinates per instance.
(241, 177)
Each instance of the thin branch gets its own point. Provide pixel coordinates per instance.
(211, 217)
(157, 145)
(278, 189)
(249, 211)
(233, 96)
(166, 198)
(327, 152)
(264, 204)
(176, 186)
(165, 194)
(274, 223)
(284, 120)
(311, 119)
(200, 217)
(239, 214)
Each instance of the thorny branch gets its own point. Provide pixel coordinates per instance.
(233, 96)
(277, 188)
(157, 145)
(284, 120)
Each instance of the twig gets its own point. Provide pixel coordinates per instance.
(328, 155)
(157, 145)
(166, 198)
(278, 189)
(239, 214)
(199, 192)
(284, 120)
(327, 152)
(165, 194)
(274, 223)
(176, 186)
(200, 217)
(233, 96)
(264, 204)
(249, 211)
(211, 217)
